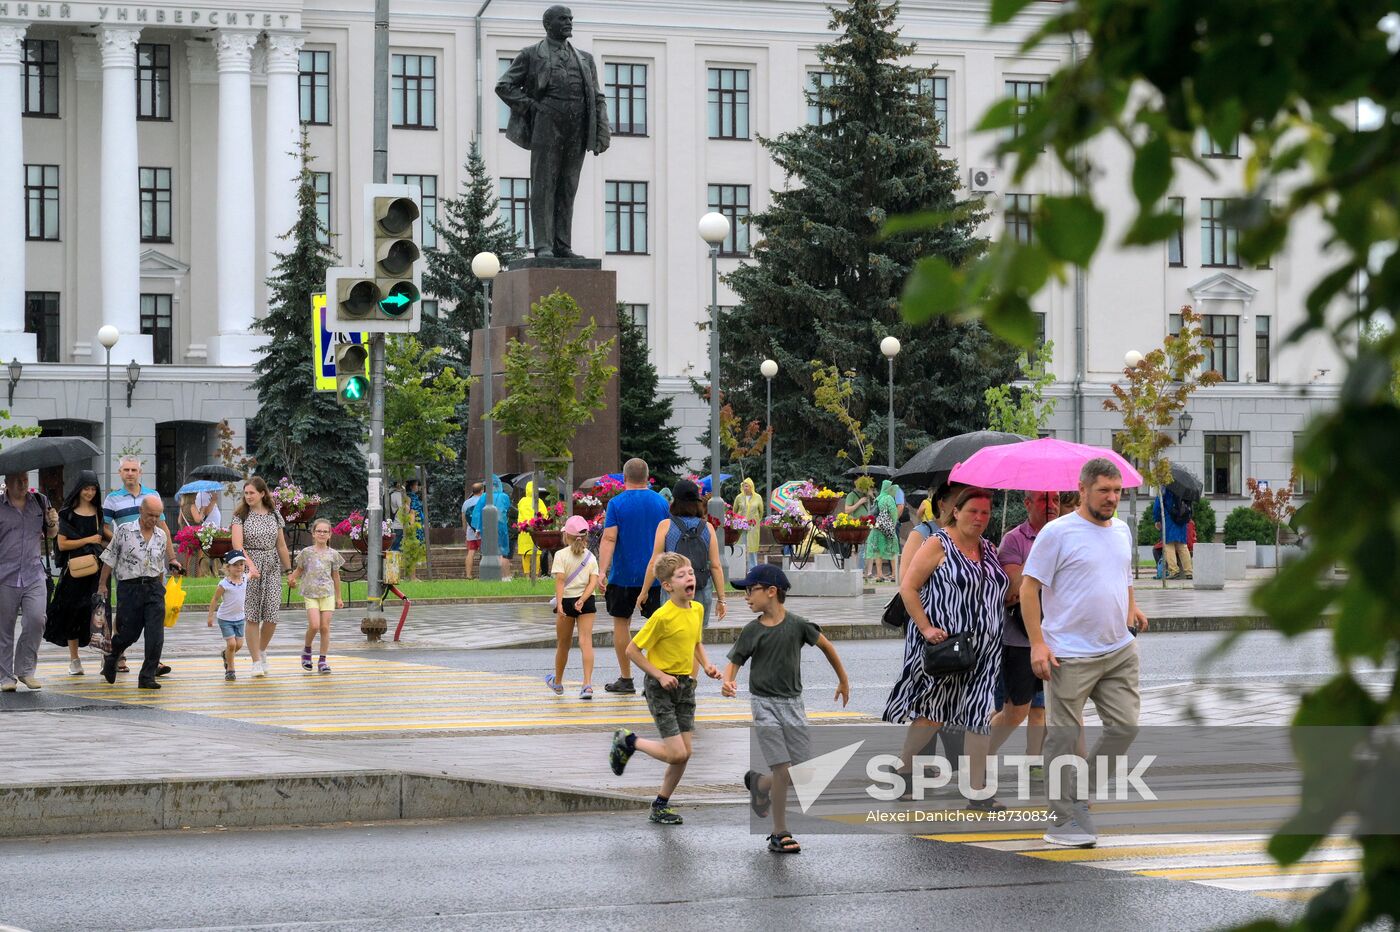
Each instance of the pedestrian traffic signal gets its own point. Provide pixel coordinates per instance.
(383, 294)
(352, 373)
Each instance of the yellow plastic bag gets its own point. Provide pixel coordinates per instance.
(174, 601)
(391, 568)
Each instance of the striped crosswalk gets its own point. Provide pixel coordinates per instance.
(376, 695)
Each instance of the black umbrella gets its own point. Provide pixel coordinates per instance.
(1184, 485)
(874, 472)
(930, 467)
(43, 452)
(214, 472)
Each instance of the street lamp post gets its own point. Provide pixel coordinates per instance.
(890, 347)
(486, 266)
(108, 337)
(769, 370)
(714, 229)
(1131, 360)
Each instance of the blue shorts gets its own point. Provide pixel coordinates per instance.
(231, 629)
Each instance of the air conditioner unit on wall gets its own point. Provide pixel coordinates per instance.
(982, 180)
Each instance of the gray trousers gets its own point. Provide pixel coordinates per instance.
(19, 656)
(556, 157)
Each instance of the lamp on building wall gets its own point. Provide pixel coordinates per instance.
(1183, 426)
(16, 368)
(133, 375)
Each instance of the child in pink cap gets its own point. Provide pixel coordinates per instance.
(575, 578)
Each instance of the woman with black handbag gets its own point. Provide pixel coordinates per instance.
(80, 541)
(955, 592)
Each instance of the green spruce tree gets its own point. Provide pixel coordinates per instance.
(643, 415)
(300, 432)
(825, 284)
(467, 224)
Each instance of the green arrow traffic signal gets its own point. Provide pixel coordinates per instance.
(397, 300)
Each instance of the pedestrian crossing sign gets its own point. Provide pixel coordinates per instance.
(323, 343)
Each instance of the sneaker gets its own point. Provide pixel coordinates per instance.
(229, 676)
(554, 684)
(665, 815)
(618, 755)
(265, 668)
(586, 692)
(9, 686)
(323, 667)
(306, 660)
(259, 668)
(1071, 835)
(75, 667)
(623, 684)
(31, 682)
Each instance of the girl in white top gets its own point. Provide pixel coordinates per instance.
(575, 579)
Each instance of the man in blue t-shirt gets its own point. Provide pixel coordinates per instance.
(629, 534)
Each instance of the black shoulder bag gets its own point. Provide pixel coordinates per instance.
(950, 656)
(895, 614)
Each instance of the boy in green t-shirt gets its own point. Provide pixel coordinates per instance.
(774, 640)
(671, 639)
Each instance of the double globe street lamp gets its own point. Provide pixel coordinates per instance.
(486, 266)
(714, 229)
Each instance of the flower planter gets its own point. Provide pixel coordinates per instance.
(820, 506)
(362, 544)
(547, 540)
(218, 548)
(303, 515)
(851, 535)
(588, 512)
(731, 536)
(789, 537)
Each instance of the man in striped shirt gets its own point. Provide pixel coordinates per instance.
(123, 505)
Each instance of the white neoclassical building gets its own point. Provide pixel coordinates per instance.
(150, 170)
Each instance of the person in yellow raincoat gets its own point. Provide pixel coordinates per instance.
(749, 504)
(525, 544)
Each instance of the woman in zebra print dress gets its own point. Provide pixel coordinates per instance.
(955, 584)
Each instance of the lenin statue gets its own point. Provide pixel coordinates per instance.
(558, 112)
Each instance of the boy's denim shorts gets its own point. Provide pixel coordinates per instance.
(231, 629)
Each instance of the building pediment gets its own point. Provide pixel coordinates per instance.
(158, 265)
(1222, 286)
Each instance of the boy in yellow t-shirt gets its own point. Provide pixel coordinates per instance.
(671, 639)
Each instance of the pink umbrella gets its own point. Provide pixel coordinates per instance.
(1046, 465)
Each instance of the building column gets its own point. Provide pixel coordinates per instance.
(283, 135)
(17, 344)
(235, 344)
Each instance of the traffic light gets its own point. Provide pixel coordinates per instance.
(352, 373)
(382, 295)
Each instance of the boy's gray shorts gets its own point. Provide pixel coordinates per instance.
(781, 728)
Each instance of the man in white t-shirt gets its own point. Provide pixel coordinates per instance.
(1078, 606)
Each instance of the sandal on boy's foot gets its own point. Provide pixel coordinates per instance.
(619, 755)
(230, 676)
(323, 667)
(665, 815)
(553, 684)
(760, 801)
(223, 655)
(586, 692)
(623, 684)
(783, 843)
(306, 660)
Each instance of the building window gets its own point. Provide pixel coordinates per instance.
(427, 184)
(502, 108)
(41, 77)
(314, 77)
(156, 322)
(625, 217)
(1261, 347)
(515, 209)
(1222, 334)
(1018, 217)
(729, 103)
(936, 89)
(41, 202)
(1176, 245)
(428, 308)
(1039, 329)
(321, 181)
(1213, 150)
(732, 200)
(817, 113)
(637, 313)
(1224, 464)
(626, 88)
(155, 205)
(1301, 486)
(1023, 92)
(413, 91)
(152, 82)
(1220, 244)
(41, 318)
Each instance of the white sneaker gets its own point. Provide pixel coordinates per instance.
(259, 668)
(75, 667)
(265, 668)
(1071, 835)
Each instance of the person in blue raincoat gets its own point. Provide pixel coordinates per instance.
(1174, 535)
(502, 502)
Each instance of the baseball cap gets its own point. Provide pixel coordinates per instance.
(234, 556)
(576, 525)
(764, 574)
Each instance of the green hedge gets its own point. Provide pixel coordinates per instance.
(1244, 523)
(1147, 533)
(1201, 512)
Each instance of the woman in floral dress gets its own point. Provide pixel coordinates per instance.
(257, 531)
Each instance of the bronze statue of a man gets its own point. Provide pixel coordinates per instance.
(558, 112)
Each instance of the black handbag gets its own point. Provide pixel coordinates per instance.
(895, 614)
(949, 656)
